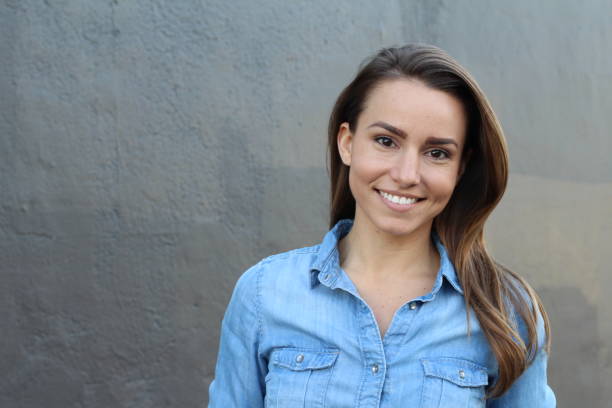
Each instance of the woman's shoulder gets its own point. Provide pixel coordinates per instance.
(287, 261)
(288, 265)
(297, 254)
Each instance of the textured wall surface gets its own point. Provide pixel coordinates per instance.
(151, 150)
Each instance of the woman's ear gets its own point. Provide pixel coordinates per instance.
(345, 142)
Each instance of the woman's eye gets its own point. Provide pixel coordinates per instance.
(438, 154)
(385, 141)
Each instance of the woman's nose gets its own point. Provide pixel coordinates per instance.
(405, 170)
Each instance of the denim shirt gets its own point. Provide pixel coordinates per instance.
(297, 333)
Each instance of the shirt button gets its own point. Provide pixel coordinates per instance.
(299, 358)
(413, 305)
(374, 368)
(461, 374)
(324, 276)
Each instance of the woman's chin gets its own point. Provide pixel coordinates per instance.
(401, 229)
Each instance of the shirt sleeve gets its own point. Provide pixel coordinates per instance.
(531, 389)
(240, 372)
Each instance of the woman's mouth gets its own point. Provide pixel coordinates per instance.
(398, 203)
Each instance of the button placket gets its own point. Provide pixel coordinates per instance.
(374, 355)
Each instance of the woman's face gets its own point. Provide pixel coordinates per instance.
(405, 155)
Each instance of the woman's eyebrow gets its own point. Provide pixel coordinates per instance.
(390, 128)
(436, 141)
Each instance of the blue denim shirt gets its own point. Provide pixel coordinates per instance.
(297, 334)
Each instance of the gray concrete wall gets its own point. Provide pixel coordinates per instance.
(151, 150)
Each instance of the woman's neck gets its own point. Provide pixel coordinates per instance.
(377, 255)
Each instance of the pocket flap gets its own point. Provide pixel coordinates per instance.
(461, 372)
(303, 359)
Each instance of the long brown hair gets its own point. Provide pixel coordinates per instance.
(490, 290)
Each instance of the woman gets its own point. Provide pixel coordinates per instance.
(400, 304)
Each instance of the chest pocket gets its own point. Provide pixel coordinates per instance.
(453, 383)
(298, 377)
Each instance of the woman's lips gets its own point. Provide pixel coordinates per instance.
(398, 203)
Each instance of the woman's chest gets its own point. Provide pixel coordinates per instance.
(300, 377)
(384, 303)
(338, 358)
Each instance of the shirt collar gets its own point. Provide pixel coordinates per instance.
(327, 261)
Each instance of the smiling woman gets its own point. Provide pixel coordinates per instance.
(405, 154)
(400, 304)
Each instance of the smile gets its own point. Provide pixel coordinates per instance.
(401, 200)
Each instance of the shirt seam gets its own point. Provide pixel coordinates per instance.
(296, 251)
(258, 305)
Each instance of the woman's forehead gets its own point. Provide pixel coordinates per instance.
(411, 106)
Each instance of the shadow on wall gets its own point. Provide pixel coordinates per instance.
(574, 367)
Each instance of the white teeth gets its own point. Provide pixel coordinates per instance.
(398, 199)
